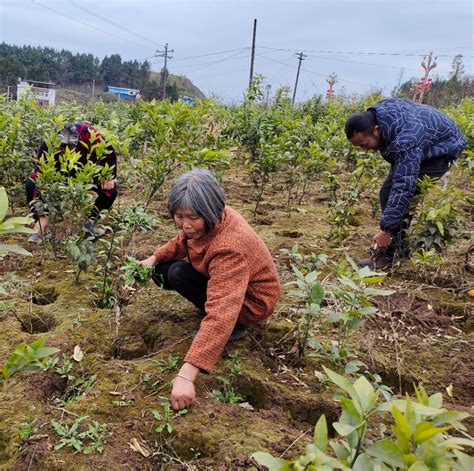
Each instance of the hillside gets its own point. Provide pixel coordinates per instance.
(185, 86)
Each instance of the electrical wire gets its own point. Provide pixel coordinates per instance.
(87, 24)
(316, 73)
(231, 57)
(357, 52)
(361, 63)
(109, 21)
(210, 54)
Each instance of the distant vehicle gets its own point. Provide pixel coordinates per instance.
(124, 93)
(43, 92)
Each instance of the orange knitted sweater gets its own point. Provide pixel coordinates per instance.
(243, 281)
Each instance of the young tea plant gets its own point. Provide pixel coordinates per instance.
(166, 417)
(27, 359)
(134, 274)
(14, 225)
(439, 221)
(310, 292)
(82, 252)
(227, 393)
(352, 303)
(418, 438)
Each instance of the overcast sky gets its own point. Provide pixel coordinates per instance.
(336, 36)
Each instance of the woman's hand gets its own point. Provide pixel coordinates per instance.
(183, 393)
(148, 262)
(108, 185)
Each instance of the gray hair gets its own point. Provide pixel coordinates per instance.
(199, 191)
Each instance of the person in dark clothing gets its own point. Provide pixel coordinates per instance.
(418, 141)
(79, 137)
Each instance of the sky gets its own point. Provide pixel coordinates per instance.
(368, 44)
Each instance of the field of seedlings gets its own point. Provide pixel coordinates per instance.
(356, 369)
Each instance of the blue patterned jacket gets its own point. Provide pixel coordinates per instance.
(411, 133)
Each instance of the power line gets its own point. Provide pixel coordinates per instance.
(87, 24)
(316, 73)
(211, 54)
(224, 59)
(357, 52)
(361, 63)
(109, 21)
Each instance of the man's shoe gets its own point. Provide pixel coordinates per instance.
(378, 260)
(239, 332)
(38, 238)
(92, 229)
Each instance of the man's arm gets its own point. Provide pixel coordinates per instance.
(404, 180)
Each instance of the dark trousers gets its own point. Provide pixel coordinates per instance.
(180, 276)
(104, 200)
(434, 168)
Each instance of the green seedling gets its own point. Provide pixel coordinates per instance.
(227, 393)
(166, 417)
(87, 441)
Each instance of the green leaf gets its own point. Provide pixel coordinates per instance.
(342, 453)
(436, 400)
(343, 383)
(45, 352)
(401, 423)
(458, 442)
(426, 430)
(343, 429)
(321, 434)
(388, 452)
(466, 461)
(265, 459)
(316, 294)
(440, 227)
(6, 248)
(373, 279)
(366, 393)
(402, 430)
(363, 463)
(401, 405)
(348, 282)
(3, 203)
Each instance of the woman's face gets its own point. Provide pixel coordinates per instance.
(190, 223)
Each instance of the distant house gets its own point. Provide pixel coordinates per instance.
(124, 93)
(43, 92)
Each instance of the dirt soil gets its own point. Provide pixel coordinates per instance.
(422, 333)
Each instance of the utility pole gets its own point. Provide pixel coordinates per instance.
(301, 57)
(400, 76)
(252, 60)
(428, 65)
(331, 80)
(166, 55)
(93, 88)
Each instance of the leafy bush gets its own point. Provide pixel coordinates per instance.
(418, 440)
(27, 358)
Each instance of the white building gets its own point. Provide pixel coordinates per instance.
(42, 92)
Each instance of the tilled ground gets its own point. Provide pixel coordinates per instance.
(420, 334)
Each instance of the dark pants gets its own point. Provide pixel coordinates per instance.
(434, 168)
(104, 200)
(180, 276)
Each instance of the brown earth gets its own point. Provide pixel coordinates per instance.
(422, 333)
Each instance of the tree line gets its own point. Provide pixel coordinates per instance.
(65, 68)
